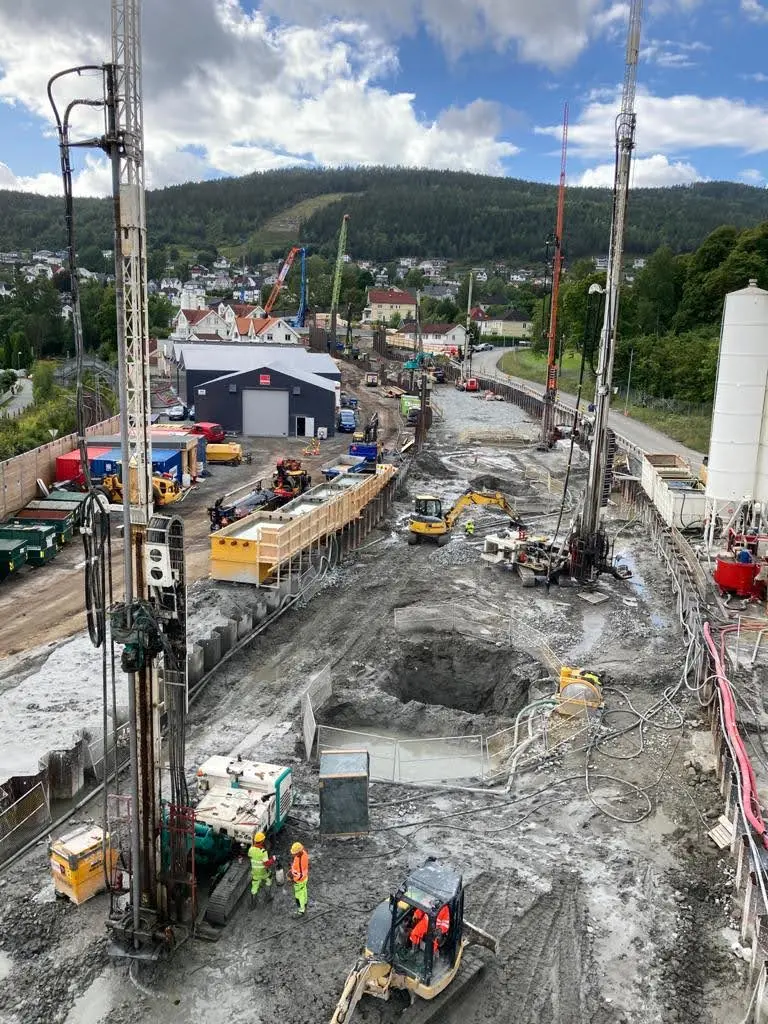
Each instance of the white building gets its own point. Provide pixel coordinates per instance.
(449, 335)
(189, 322)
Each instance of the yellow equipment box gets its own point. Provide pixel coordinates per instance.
(230, 453)
(77, 863)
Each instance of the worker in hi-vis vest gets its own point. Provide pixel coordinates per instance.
(300, 876)
(261, 862)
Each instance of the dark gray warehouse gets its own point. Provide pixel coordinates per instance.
(260, 390)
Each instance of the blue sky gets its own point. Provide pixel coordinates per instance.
(236, 86)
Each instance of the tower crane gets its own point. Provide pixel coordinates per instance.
(550, 393)
(589, 547)
(298, 320)
(336, 293)
(150, 621)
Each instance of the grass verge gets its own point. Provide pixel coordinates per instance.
(690, 429)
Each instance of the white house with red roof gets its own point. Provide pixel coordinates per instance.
(196, 321)
(449, 335)
(271, 330)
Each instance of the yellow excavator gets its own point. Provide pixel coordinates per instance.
(164, 489)
(427, 519)
(416, 941)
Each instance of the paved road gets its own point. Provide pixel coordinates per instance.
(643, 436)
(20, 400)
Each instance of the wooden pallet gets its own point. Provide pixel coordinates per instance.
(722, 834)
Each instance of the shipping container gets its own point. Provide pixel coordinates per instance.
(167, 461)
(68, 466)
(107, 463)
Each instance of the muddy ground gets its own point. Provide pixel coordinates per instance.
(594, 870)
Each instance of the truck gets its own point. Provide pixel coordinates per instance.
(344, 464)
(408, 402)
(237, 799)
(370, 452)
(347, 421)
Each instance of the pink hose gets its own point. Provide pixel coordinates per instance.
(746, 774)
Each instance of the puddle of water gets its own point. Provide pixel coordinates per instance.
(413, 759)
(6, 965)
(93, 1005)
(636, 581)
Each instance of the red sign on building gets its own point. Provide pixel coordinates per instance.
(264, 378)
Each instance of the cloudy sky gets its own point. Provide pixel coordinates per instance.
(233, 86)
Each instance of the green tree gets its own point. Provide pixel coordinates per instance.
(42, 382)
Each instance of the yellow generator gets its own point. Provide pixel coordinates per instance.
(579, 691)
(230, 453)
(78, 865)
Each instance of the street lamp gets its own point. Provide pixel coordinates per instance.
(18, 360)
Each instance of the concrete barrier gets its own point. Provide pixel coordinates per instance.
(66, 770)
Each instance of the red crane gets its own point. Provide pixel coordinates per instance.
(278, 287)
(548, 416)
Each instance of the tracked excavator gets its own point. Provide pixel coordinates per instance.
(428, 520)
(416, 942)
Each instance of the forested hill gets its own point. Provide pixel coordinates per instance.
(393, 213)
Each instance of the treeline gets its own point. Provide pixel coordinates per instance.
(669, 319)
(394, 212)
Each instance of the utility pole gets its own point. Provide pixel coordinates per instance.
(467, 362)
(589, 547)
(550, 393)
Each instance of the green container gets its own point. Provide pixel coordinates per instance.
(63, 523)
(73, 497)
(408, 402)
(13, 554)
(39, 538)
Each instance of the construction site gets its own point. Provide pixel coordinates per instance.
(462, 721)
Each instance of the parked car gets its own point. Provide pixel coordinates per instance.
(212, 432)
(176, 412)
(347, 421)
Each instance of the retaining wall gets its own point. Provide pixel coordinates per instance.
(19, 475)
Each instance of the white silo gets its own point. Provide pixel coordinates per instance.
(738, 449)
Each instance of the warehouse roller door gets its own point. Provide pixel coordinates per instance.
(265, 413)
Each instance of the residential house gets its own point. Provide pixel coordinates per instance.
(381, 277)
(449, 335)
(271, 330)
(198, 271)
(222, 263)
(231, 310)
(510, 325)
(444, 290)
(192, 296)
(601, 263)
(480, 274)
(5, 290)
(384, 303)
(192, 321)
(170, 284)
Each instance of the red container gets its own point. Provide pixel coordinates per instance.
(68, 466)
(735, 577)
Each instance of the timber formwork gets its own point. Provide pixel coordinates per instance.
(260, 547)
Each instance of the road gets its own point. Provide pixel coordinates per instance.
(19, 402)
(645, 437)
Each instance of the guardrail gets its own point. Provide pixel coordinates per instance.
(22, 820)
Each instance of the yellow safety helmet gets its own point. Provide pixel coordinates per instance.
(296, 848)
(259, 837)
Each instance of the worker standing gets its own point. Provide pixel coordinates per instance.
(300, 876)
(469, 527)
(261, 862)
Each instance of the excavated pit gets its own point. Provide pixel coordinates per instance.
(472, 677)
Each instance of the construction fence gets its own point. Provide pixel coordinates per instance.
(315, 695)
(22, 820)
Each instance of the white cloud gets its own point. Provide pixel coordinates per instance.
(228, 92)
(655, 171)
(757, 76)
(751, 176)
(671, 125)
(670, 53)
(94, 179)
(754, 10)
(548, 32)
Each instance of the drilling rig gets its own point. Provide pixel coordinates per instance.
(336, 294)
(550, 393)
(150, 622)
(590, 550)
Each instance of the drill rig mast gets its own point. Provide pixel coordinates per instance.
(336, 294)
(589, 546)
(550, 394)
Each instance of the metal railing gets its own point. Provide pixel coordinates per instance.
(118, 751)
(23, 820)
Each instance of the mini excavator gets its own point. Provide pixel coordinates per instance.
(427, 519)
(425, 969)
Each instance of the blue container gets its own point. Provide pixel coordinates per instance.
(166, 461)
(109, 462)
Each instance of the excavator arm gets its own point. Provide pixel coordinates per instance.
(495, 498)
(354, 989)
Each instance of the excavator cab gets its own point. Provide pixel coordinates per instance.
(427, 915)
(427, 519)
